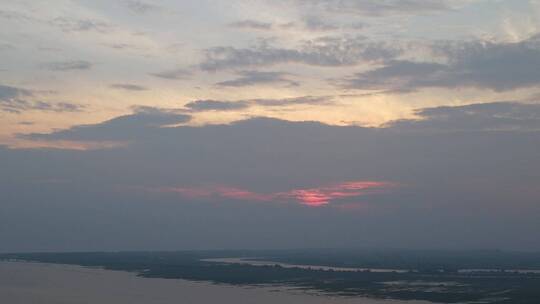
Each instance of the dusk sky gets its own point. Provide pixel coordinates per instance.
(172, 124)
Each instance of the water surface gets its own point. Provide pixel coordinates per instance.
(36, 283)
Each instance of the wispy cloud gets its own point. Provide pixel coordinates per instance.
(497, 116)
(173, 74)
(479, 64)
(312, 197)
(10, 92)
(128, 87)
(316, 23)
(311, 23)
(143, 122)
(249, 78)
(302, 100)
(381, 7)
(68, 65)
(220, 105)
(327, 51)
(216, 105)
(140, 7)
(21, 105)
(252, 25)
(68, 24)
(17, 100)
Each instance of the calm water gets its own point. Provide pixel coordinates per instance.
(23, 283)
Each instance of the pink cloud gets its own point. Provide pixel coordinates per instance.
(323, 195)
(313, 197)
(218, 191)
(240, 194)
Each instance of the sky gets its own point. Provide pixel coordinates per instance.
(170, 125)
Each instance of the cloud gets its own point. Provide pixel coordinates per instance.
(466, 173)
(124, 46)
(143, 123)
(249, 78)
(252, 25)
(9, 92)
(21, 105)
(500, 116)
(381, 7)
(457, 181)
(217, 105)
(451, 156)
(484, 65)
(315, 23)
(128, 87)
(396, 76)
(14, 15)
(4, 46)
(313, 197)
(488, 117)
(140, 7)
(81, 25)
(68, 65)
(324, 51)
(302, 100)
(17, 100)
(220, 58)
(310, 23)
(173, 74)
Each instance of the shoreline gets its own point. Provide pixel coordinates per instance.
(45, 283)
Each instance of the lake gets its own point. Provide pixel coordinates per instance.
(37, 283)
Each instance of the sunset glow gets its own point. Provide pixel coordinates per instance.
(312, 197)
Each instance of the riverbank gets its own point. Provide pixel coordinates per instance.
(39, 283)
